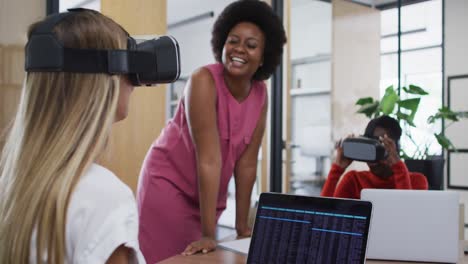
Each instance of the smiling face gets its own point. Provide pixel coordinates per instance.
(243, 50)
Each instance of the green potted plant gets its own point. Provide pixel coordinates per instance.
(416, 152)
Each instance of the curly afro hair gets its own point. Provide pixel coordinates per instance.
(258, 13)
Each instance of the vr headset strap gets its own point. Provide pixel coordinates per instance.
(95, 61)
(107, 61)
(46, 54)
(47, 26)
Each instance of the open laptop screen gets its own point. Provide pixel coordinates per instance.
(300, 229)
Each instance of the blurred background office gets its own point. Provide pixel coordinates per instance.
(337, 52)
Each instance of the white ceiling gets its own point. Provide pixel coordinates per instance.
(296, 3)
(375, 2)
(178, 10)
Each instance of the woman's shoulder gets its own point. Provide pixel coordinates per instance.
(259, 83)
(213, 69)
(99, 182)
(260, 89)
(204, 74)
(101, 215)
(419, 180)
(203, 80)
(98, 194)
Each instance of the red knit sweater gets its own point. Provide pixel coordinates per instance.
(353, 182)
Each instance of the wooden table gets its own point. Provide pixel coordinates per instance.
(229, 257)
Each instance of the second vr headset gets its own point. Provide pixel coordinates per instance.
(147, 63)
(364, 149)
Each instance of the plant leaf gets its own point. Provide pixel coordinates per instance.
(411, 105)
(444, 141)
(448, 114)
(431, 119)
(369, 110)
(444, 113)
(406, 118)
(365, 100)
(389, 101)
(413, 89)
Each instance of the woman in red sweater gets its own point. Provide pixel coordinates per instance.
(390, 173)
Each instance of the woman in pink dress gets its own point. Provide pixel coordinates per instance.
(216, 133)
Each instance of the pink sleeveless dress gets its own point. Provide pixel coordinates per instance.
(168, 201)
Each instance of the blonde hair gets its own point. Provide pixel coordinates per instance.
(62, 124)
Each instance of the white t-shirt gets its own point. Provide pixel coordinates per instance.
(101, 216)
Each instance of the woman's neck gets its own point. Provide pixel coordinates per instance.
(239, 87)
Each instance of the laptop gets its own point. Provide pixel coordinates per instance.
(301, 229)
(413, 225)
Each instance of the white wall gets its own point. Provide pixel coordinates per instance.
(311, 38)
(310, 29)
(15, 18)
(355, 64)
(456, 37)
(456, 63)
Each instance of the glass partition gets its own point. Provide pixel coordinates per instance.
(310, 68)
(344, 50)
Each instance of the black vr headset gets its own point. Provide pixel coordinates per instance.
(364, 149)
(146, 63)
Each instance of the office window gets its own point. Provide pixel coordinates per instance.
(174, 94)
(421, 63)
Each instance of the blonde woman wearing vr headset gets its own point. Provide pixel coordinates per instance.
(57, 205)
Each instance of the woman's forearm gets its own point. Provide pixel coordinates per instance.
(332, 180)
(245, 181)
(208, 187)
